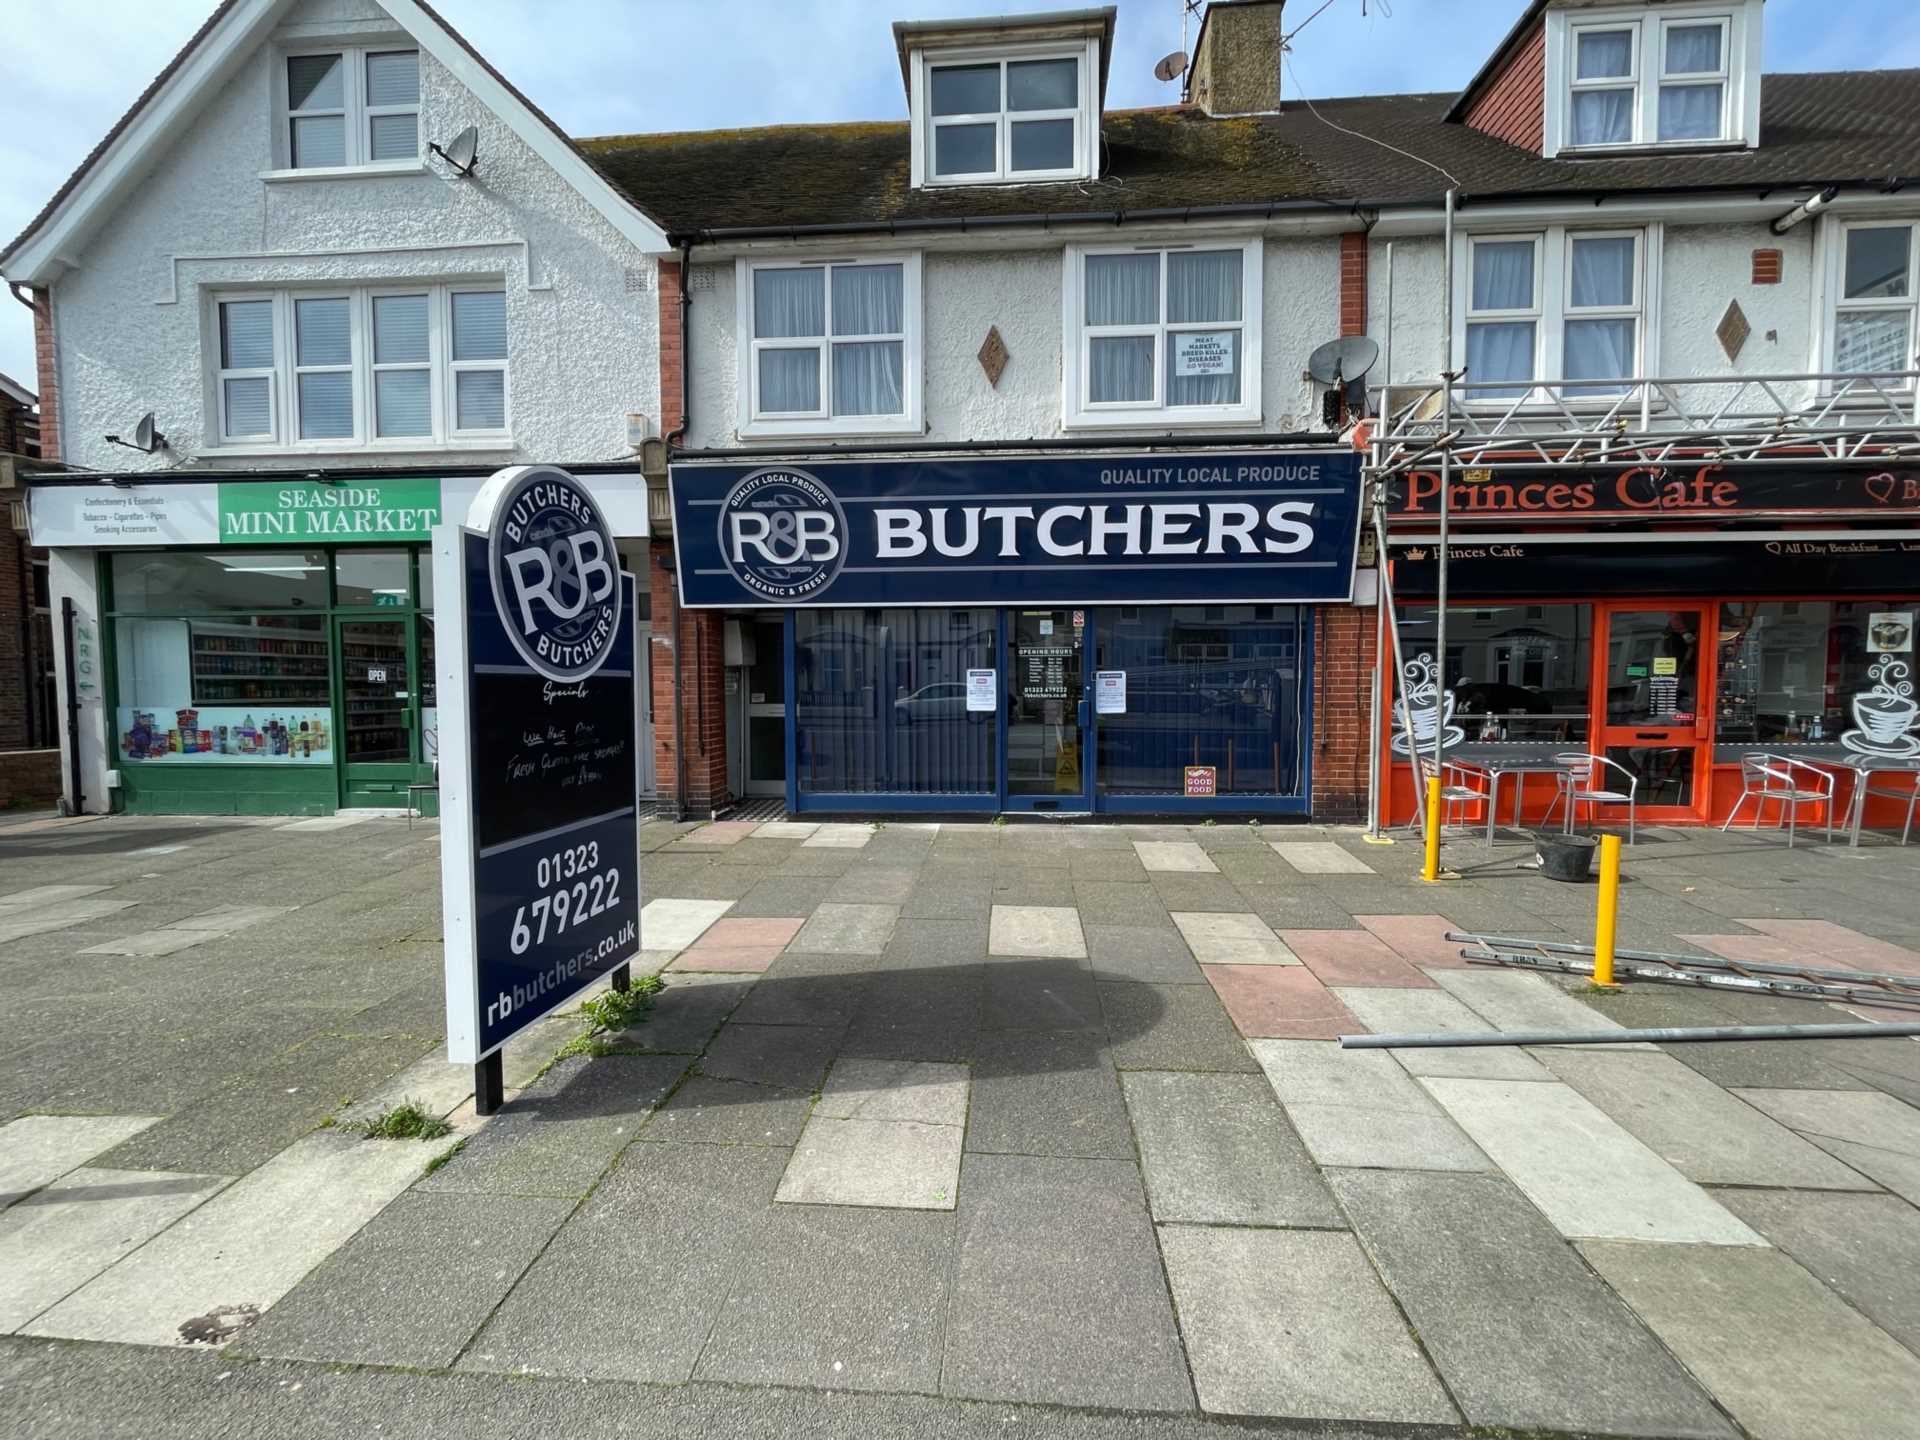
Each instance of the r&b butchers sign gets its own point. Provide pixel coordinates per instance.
(1266, 526)
(1682, 488)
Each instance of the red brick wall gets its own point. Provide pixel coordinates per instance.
(29, 778)
(673, 359)
(1342, 700)
(1513, 106)
(1353, 282)
(15, 667)
(703, 711)
(48, 379)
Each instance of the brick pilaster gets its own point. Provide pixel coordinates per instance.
(46, 374)
(701, 642)
(673, 359)
(1353, 282)
(1342, 699)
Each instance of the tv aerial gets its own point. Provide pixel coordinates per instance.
(1342, 365)
(462, 152)
(1172, 67)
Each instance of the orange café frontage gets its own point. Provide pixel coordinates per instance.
(1670, 618)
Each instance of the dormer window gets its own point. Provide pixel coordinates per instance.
(1653, 76)
(1005, 118)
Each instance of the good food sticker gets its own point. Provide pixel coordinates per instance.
(550, 559)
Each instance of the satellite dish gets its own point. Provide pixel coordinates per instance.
(1339, 362)
(1171, 68)
(462, 152)
(144, 434)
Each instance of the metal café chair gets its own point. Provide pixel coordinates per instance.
(1781, 778)
(1453, 790)
(1585, 777)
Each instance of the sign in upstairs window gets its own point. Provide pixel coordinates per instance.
(1166, 331)
(1007, 118)
(352, 107)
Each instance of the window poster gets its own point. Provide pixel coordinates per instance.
(1203, 352)
(1890, 632)
(1110, 692)
(981, 686)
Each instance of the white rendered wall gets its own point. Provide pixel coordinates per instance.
(133, 326)
(967, 292)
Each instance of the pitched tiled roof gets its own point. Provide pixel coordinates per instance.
(1855, 127)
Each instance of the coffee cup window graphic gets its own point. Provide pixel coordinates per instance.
(783, 534)
(1422, 711)
(1884, 715)
(551, 561)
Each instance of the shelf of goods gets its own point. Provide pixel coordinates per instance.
(248, 665)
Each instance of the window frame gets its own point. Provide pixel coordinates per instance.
(1833, 237)
(1739, 74)
(1085, 115)
(357, 150)
(753, 422)
(1078, 411)
(1553, 308)
(283, 378)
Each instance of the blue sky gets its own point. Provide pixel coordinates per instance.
(606, 66)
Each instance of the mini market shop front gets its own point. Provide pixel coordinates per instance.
(1087, 633)
(1671, 619)
(258, 646)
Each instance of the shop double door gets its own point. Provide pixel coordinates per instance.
(387, 712)
(1654, 709)
(1049, 739)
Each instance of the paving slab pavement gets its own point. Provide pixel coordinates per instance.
(1353, 958)
(892, 1164)
(1704, 1132)
(1273, 1320)
(1175, 857)
(1171, 1027)
(1385, 1011)
(1041, 930)
(1227, 938)
(36, 1150)
(1038, 1092)
(1874, 1133)
(1145, 953)
(1218, 1150)
(1590, 1177)
(1787, 1357)
(1280, 1002)
(415, 1285)
(1358, 1108)
(59, 1238)
(1511, 1000)
(1865, 1248)
(1058, 1296)
(1521, 1331)
(836, 1299)
(674, 1223)
(837, 928)
(205, 1279)
(1320, 857)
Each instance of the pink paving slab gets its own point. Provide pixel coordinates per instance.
(1825, 943)
(730, 934)
(1353, 957)
(1284, 1002)
(1417, 938)
(1760, 949)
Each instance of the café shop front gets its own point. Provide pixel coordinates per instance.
(1671, 618)
(258, 646)
(1082, 633)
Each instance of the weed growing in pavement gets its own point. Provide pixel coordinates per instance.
(617, 1009)
(408, 1120)
(445, 1155)
(1591, 989)
(999, 820)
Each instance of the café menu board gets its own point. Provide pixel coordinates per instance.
(555, 843)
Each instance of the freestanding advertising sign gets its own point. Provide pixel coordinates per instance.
(540, 875)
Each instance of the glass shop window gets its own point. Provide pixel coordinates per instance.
(1514, 673)
(237, 579)
(1810, 671)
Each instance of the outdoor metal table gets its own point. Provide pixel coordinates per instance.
(1495, 759)
(1860, 769)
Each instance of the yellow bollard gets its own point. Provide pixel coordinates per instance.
(1430, 871)
(1608, 911)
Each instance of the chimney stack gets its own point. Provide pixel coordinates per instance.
(1236, 61)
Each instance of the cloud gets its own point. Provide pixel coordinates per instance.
(614, 66)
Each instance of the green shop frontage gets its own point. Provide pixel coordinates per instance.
(257, 646)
